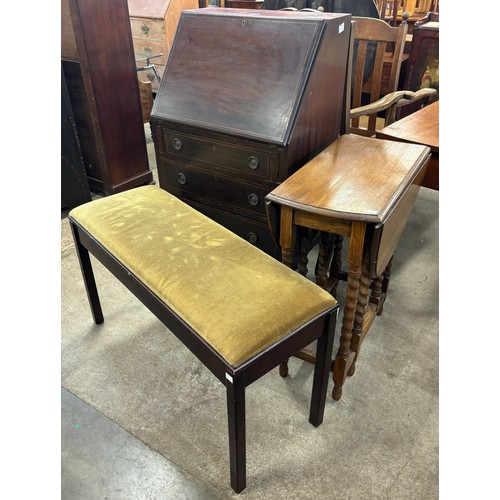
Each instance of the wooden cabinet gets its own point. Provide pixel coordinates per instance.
(153, 24)
(99, 68)
(247, 109)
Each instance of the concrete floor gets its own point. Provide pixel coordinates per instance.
(379, 441)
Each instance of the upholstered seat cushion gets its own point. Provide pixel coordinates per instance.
(236, 297)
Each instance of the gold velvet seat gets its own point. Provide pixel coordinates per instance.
(240, 311)
(210, 277)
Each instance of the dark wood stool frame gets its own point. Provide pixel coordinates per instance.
(321, 328)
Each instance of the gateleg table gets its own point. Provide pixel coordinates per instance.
(364, 189)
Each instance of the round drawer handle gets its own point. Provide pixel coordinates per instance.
(150, 76)
(253, 162)
(253, 199)
(252, 238)
(145, 29)
(181, 179)
(177, 144)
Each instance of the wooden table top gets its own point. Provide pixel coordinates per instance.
(421, 127)
(355, 178)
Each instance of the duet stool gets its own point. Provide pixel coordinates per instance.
(364, 189)
(240, 311)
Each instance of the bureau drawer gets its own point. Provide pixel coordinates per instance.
(143, 47)
(218, 191)
(257, 233)
(218, 156)
(147, 28)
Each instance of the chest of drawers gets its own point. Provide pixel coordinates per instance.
(153, 24)
(247, 97)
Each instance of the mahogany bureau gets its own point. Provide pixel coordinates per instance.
(247, 97)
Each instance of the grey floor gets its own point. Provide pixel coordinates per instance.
(101, 460)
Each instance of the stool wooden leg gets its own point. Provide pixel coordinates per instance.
(237, 435)
(284, 368)
(88, 277)
(322, 366)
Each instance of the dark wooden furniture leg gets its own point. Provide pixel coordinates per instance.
(322, 365)
(237, 435)
(88, 278)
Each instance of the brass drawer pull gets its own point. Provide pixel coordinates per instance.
(252, 238)
(145, 29)
(253, 162)
(177, 144)
(253, 199)
(181, 179)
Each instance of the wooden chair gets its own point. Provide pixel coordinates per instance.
(376, 64)
(423, 6)
(406, 6)
(378, 50)
(387, 10)
(377, 58)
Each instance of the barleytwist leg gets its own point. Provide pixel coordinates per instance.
(361, 304)
(355, 263)
(303, 250)
(385, 285)
(323, 258)
(341, 359)
(336, 264)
